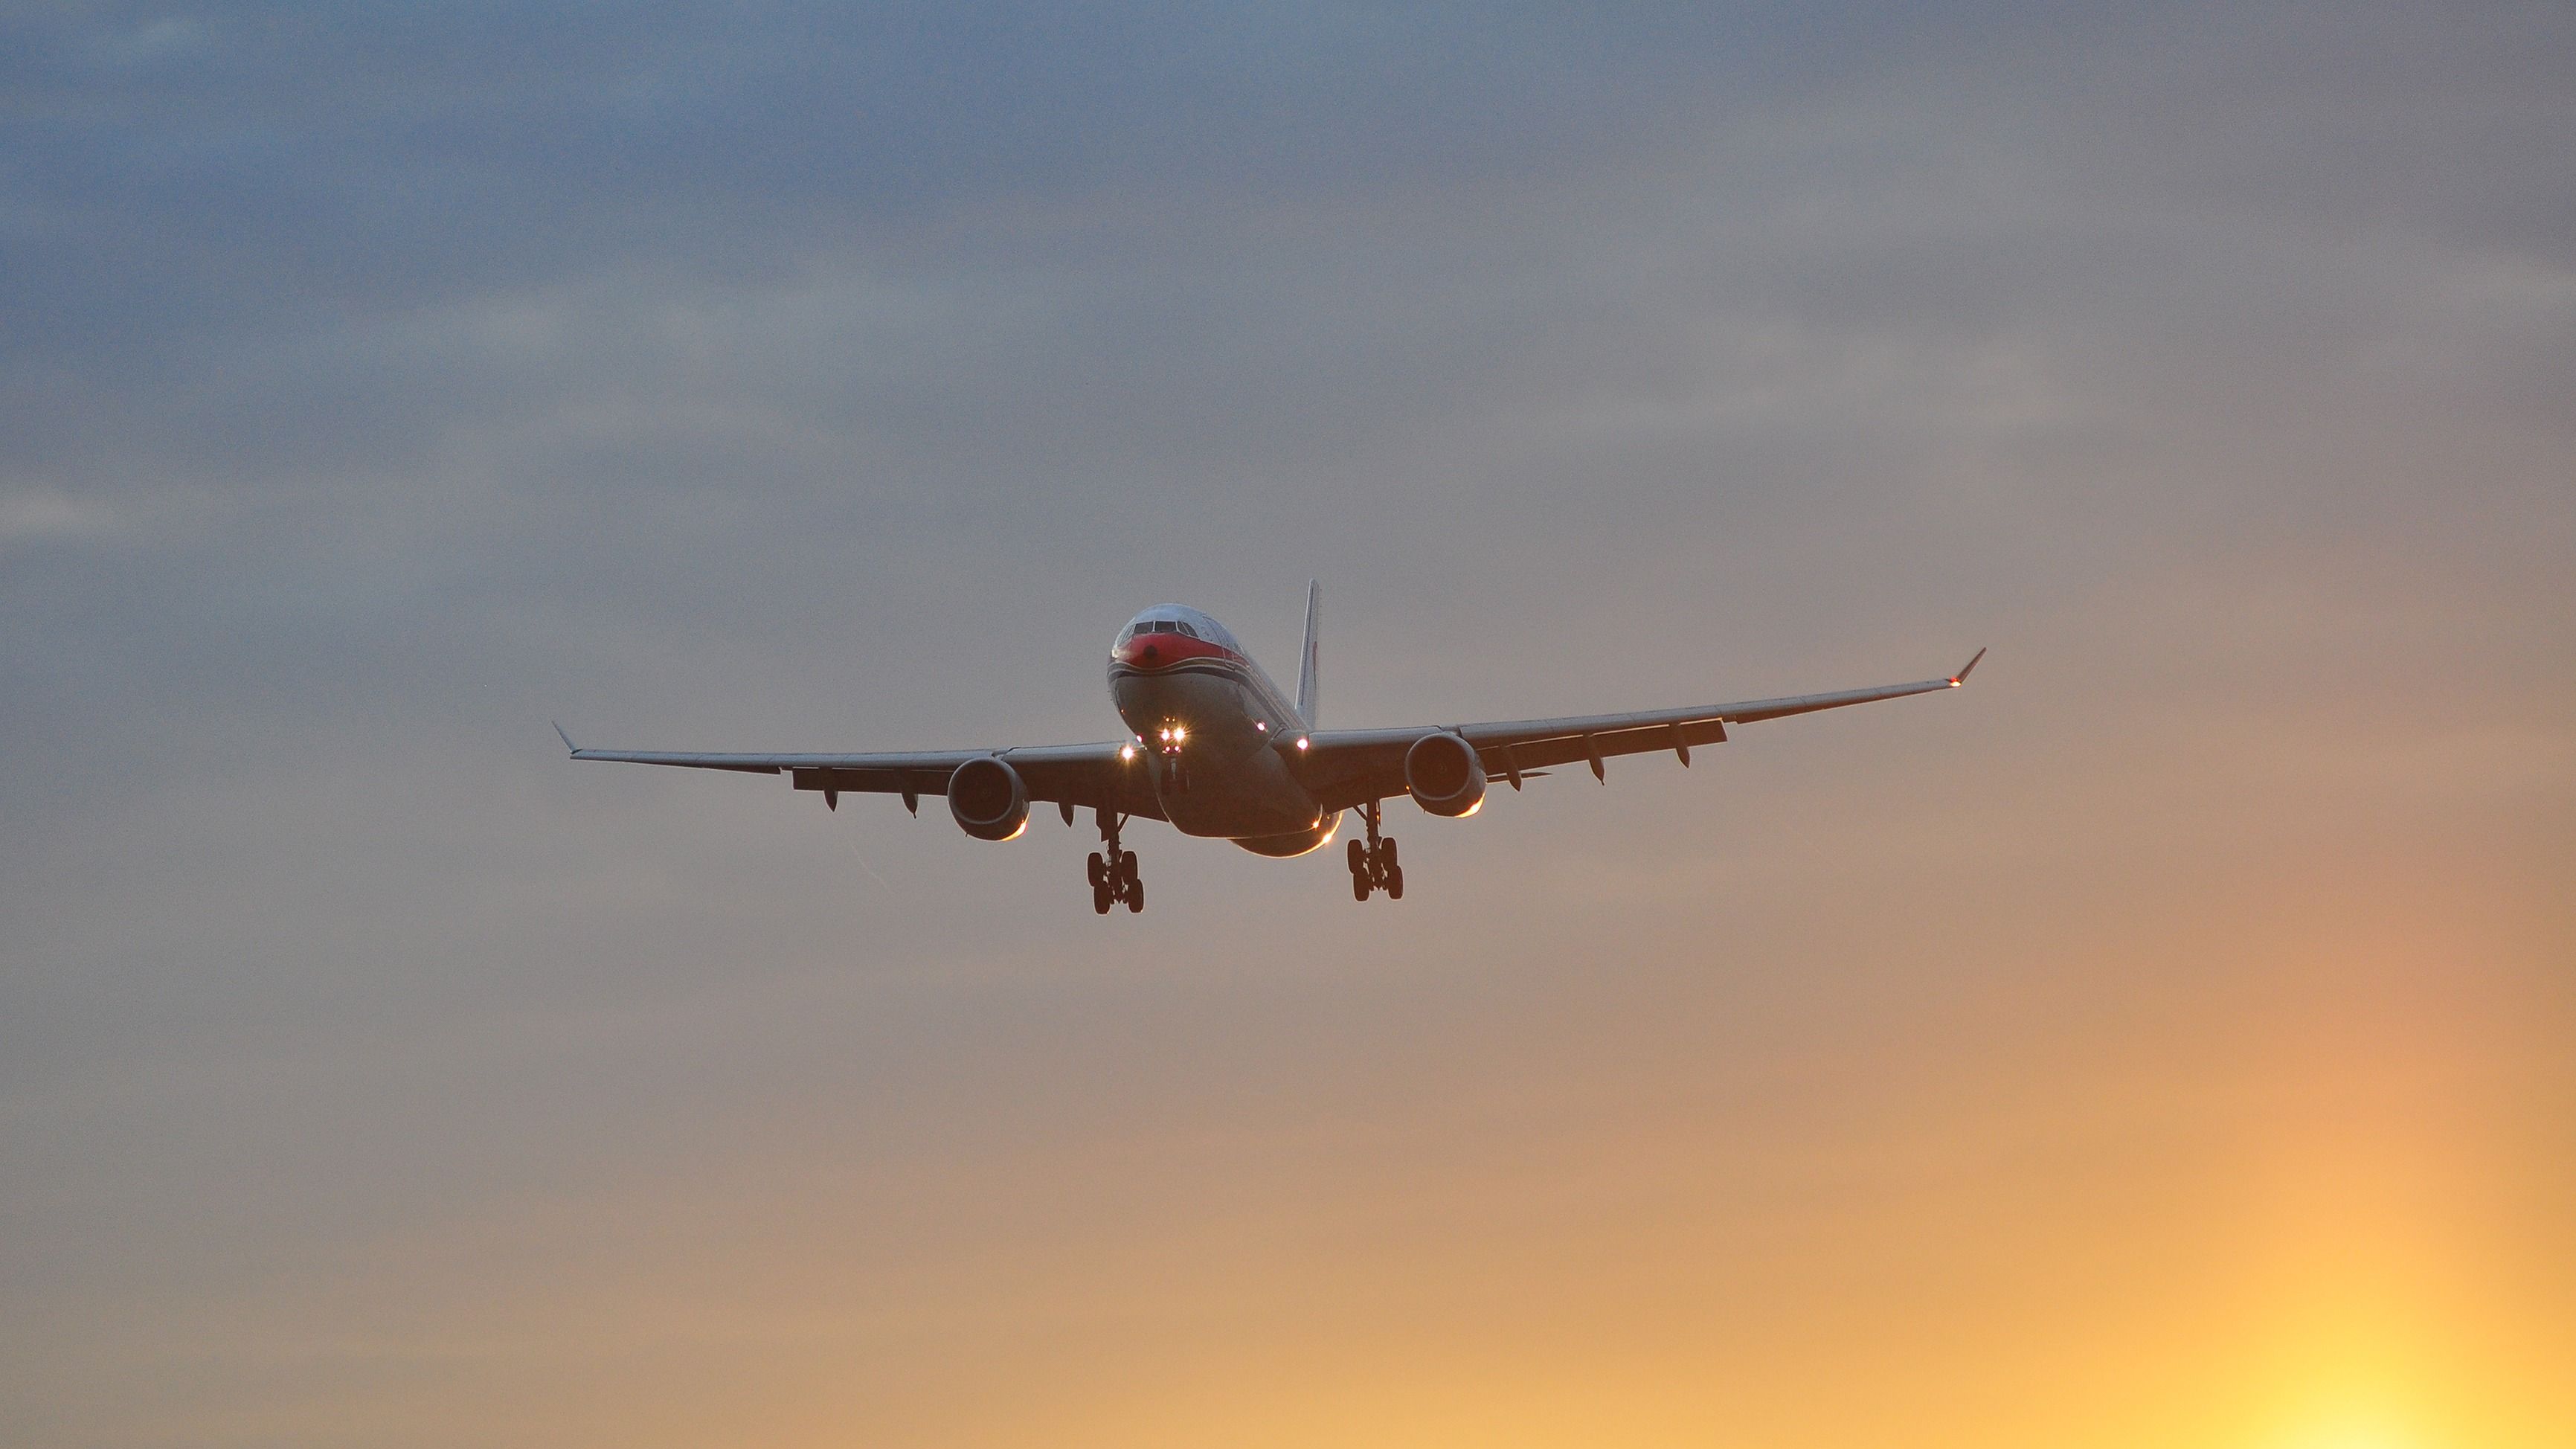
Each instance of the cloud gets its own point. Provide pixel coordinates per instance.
(42, 513)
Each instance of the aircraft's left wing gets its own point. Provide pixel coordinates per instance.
(1345, 768)
(1064, 775)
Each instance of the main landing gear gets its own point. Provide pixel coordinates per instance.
(1373, 864)
(1113, 871)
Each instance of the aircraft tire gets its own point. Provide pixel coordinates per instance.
(1135, 894)
(1358, 856)
(1359, 885)
(1386, 854)
(1099, 871)
(1100, 899)
(1127, 869)
(1395, 882)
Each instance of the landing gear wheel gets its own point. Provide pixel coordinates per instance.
(1112, 870)
(1372, 861)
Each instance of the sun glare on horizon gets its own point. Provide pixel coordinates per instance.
(2349, 1428)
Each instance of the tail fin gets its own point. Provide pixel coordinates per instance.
(1306, 686)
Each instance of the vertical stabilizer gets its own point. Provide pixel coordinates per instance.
(1306, 660)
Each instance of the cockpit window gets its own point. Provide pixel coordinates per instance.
(1143, 627)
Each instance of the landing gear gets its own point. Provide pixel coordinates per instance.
(1373, 862)
(1113, 871)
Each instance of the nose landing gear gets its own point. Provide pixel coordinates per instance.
(1113, 871)
(1373, 865)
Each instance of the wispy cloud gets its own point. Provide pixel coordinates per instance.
(44, 513)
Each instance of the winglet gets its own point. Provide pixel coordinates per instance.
(569, 746)
(1955, 680)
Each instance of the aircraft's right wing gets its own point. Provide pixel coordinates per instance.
(1066, 775)
(1345, 768)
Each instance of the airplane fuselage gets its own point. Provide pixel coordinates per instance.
(1215, 733)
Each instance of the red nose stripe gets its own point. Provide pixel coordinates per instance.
(1162, 651)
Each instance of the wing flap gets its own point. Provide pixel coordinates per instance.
(1528, 754)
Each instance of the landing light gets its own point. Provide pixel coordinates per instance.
(1301, 743)
(1179, 734)
(1126, 752)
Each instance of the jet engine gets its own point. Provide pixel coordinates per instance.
(989, 799)
(1445, 775)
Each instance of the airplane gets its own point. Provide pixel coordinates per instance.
(1217, 750)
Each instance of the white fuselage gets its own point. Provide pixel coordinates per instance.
(1215, 732)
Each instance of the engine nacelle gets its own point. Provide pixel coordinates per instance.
(989, 799)
(1445, 775)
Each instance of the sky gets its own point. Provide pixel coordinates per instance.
(2164, 1040)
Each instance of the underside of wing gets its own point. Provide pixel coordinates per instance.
(1345, 768)
(1089, 776)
